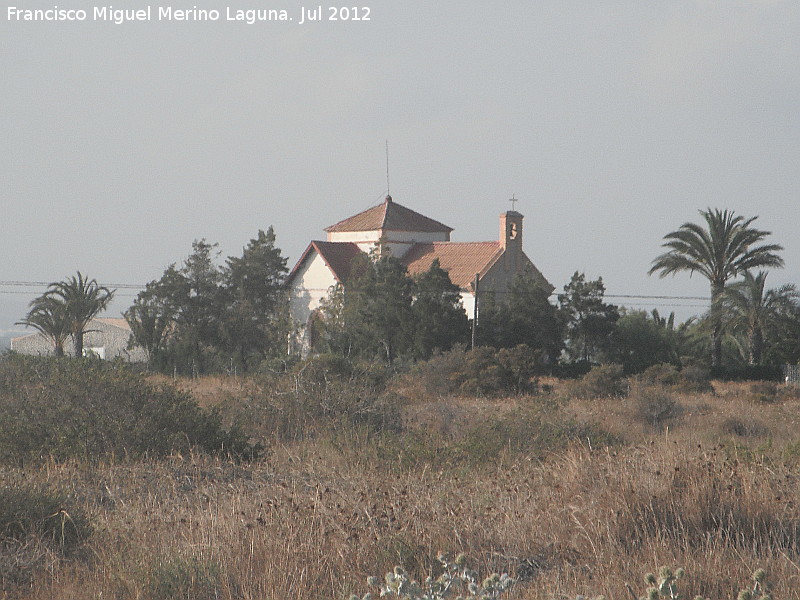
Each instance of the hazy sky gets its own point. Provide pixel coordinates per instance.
(612, 122)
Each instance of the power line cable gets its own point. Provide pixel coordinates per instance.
(132, 286)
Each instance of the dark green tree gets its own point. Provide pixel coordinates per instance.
(724, 248)
(383, 309)
(152, 316)
(202, 301)
(641, 340)
(201, 315)
(525, 317)
(784, 338)
(439, 320)
(255, 321)
(589, 321)
(179, 315)
(371, 315)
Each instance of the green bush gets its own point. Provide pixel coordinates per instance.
(689, 379)
(36, 512)
(88, 409)
(654, 405)
(482, 371)
(740, 428)
(36, 521)
(601, 382)
(661, 374)
(765, 392)
(324, 393)
(695, 380)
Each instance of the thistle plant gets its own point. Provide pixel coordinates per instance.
(758, 591)
(666, 586)
(457, 582)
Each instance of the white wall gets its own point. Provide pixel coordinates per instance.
(398, 242)
(468, 300)
(310, 285)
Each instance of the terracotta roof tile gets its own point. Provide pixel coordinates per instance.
(116, 322)
(389, 216)
(462, 261)
(338, 256)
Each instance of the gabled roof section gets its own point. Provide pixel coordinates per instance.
(462, 261)
(389, 216)
(338, 257)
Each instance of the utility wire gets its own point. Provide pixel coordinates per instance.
(133, 286)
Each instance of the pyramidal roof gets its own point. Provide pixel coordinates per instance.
(389, 216)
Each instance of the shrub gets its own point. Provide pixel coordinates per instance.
(37, 512)
(524, 364)
(89, 409)
(689, 379)
(482, 374)
(323, 393)
(34, 522)
(737, 427)
(661, 374)
(765, 392)
(521, 433)
(602, 381)
(789, 392)
(695, 379)
(654, 405)
(483, 371)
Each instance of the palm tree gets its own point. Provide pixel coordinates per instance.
(724, 249)
(753, 309)
(83, 299)
(48, 316)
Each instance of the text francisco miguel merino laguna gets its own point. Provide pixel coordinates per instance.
(168, 13)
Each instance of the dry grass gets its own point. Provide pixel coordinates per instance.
(314, 517)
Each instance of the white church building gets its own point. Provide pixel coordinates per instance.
(417, 241)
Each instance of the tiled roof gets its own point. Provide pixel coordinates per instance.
(114, 322)
(121, 323)
(389, 216)
(338, 256)
(462, 261)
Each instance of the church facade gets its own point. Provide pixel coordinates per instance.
(417, 241)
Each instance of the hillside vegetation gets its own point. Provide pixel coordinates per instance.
(300, 483)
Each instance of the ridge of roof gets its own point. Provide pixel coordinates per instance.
(337, 256)
(389, 216)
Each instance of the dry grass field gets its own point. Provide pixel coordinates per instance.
(571, 496)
